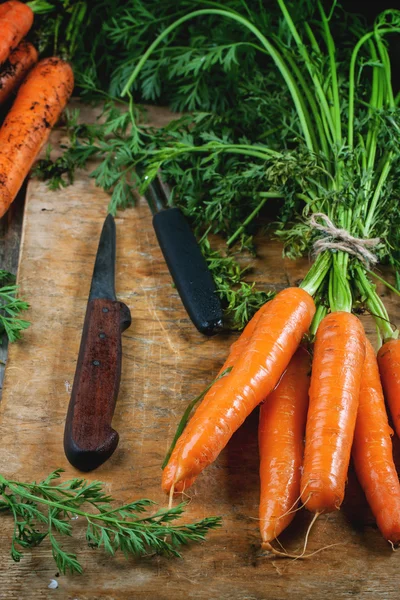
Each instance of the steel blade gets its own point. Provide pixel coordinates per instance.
(103, 280)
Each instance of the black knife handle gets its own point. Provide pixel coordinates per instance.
(189, 270)
(89, 439)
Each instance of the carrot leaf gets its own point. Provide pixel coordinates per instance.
(44, 512)
(10, 307)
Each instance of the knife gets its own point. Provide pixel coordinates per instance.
(89, 439)
(185, 261)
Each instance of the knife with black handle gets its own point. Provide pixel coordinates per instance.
(185, 261)
(89, 439)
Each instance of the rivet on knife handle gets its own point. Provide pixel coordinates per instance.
(89, 439)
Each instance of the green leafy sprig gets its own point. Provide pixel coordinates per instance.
(119, 155)
(46, 510)
(11, 307)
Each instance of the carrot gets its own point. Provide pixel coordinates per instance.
(236, 350)
(38, 105)
(16, 19)
(15, 69)
(372, 452)
(258, 369)
(389, 367)
(334, 393)
(280, 439)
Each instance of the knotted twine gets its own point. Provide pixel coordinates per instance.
(340, 239)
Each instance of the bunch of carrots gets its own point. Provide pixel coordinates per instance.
(339, 409)
(304, 356)
(39, 91)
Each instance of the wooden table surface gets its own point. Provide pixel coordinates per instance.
(166, 362)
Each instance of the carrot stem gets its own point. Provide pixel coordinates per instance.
(374, 304)
(386, 283)
(265, 196)
(320, 313)
(297, 97)
(316, 275)
(340, 297)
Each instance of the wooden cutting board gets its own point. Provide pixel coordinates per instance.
(166, 362)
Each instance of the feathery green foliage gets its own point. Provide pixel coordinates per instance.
(10, 308)
(45, 511)
(291, 105)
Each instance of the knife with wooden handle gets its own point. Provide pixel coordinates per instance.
(89, 439)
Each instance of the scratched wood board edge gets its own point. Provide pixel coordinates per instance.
(229, 565)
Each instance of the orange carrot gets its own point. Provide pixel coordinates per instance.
(389, 367)
(236, 350)
(280, 439)
(373, 454)
(334, 393)
(16, 19)
(37, 107)
(16, 68)
(258, 369)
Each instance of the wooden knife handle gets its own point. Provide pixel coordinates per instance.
(89, 439)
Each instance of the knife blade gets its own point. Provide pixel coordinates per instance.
(89, 439)
(185, 261)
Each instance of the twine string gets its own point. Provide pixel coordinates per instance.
(339, 239)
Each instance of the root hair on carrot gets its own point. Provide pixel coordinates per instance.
(291, 510)
(269, 548)
(170, 502)
(284, 554)
(171, 495)
(315, 517)
(281, 545)
(186, 495)
(288, 512)
(277, 569)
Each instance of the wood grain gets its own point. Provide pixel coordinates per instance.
(165, 363)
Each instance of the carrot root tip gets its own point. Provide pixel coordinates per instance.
(171, 496)
(267, 546)
(282, 553)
